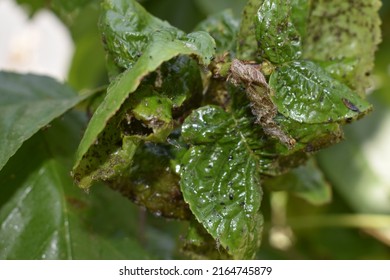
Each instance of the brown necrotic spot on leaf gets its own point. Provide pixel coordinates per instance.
(258, 92)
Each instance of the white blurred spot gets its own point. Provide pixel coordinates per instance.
(41, 45)
(377, 150)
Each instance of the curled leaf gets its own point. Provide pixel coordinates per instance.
(161, 45)
(306, 93)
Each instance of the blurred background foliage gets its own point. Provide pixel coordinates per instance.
(354, 225)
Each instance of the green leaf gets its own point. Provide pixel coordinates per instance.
(88, 67)
(278, 39)
(27, 104)
(220, 180)
(348, 30)
(162, 45)
(127, 29)
(223, 28)
(46, 217)
(275, 158)
(306, 93)
(146, 116)
(130, 32)
(300, 11)
(152, 183)
(306, 181)
(247, 47)
(212, 7)
(182, 83)
(198, 244)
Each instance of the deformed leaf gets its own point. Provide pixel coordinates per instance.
(163, 44)
(345, 30)
(27, 104)
(152, 183)
(128, 30)
(306, 181)
(275, 158)
(147, 115)
(179, 80)
(258, 92)
(277, 37)
(306, 93)
(220, 180)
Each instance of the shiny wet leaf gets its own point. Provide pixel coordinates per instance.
(27, 104)
(306, 93)
(163, 44)
(220, 181)
(45, 217)
(278, 39)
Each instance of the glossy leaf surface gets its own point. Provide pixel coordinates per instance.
(306, 93)
(129, 33)
(44, 216)
(277, 37)
(27, 104)
(163, 45)
(148, 115)
(220, 181)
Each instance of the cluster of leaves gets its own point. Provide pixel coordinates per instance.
(194, 126)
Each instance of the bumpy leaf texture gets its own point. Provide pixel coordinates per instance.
(306, 93)
(278, 39)
(220, 180)
(158, 42)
